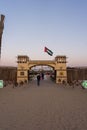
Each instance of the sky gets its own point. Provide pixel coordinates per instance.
(30, 25)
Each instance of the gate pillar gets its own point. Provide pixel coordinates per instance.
(61, 70)
(22, 69)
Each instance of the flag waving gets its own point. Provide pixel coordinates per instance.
(48, 51)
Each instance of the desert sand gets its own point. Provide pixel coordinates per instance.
(47, 107)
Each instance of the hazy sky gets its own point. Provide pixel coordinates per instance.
(30, 25)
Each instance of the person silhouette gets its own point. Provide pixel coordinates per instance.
(42, 76)
(38, 79)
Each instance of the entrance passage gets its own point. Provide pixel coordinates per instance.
(47, 82)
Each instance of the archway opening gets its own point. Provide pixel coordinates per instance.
(46, 72)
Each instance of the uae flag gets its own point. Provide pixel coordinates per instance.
(48, 51)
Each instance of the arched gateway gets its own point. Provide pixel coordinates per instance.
(25, 64)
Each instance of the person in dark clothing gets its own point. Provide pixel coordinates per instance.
(42, 76)
(38, 79)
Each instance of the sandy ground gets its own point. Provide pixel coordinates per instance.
(47, 107)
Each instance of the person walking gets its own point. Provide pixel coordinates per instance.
(38, 79)
(42, 76)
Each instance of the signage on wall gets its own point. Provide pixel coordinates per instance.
(84, 84)
(1, 83)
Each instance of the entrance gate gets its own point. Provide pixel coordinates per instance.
(25, 64)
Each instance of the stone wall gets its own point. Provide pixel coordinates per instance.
(78, 73)
(10, 73)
